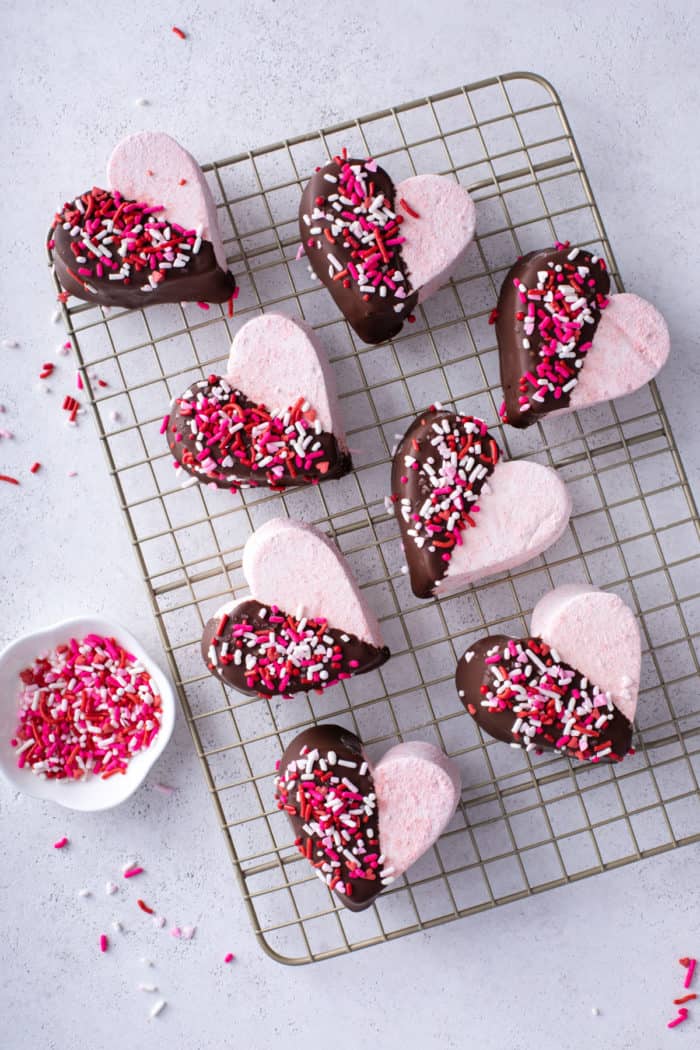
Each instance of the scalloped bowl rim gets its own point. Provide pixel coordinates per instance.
(94, 793)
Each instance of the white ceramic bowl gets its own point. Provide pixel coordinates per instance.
(92, 793)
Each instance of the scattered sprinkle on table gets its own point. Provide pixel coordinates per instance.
(10, 344)
(159, 921)
(34, 468)
(147, 987)
(144, 907)
(104, 943)
(61, 843)
(116, 925)
(229, 957)
(158, 1007)
(8, 479)
(690, 965)
(679, 1019)
(110, 888)
(132, 871)
(178, 32)
(84, 892)
(86, 708)
(141, 102)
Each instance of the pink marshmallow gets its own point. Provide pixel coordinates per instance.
(437, 240)
(293, 566)
(596, 633)
(275, 360)
(190, 205)
(418, 790)
(630, 346)
(524, 510)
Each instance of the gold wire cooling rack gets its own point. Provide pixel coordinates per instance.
(525, 824)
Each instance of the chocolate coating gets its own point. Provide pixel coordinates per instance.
(516, 359)
(474, 674)
(201, 280)
(244, 469)
(428, 552)
(346, 747)
(341, 654)
(376, 318)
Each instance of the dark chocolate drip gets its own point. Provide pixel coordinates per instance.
(561, 730)
(200, 280)
(519, 363)
(355, 846)
(375, 317)
(237, 462)
(418, 492)
(300, 655)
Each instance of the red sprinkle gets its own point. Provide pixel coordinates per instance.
(61, 843)
(493, 316)
(179, 32)
(34, 467)
(144, 907)
(684, 999)
(407, 208)
(8, 479)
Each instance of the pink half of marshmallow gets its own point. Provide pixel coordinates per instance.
(525, 508)
(630, 346)
(275, 360)
(152, 167)
(418, 789)
(294, 566)
(596, 633)
(437, 240)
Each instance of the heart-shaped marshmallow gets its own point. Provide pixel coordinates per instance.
(571, 686)
(152, 237)
(464, 514)
(273, 419)
(306, 625)
(362, 828)
(380, 250)
(564, 343)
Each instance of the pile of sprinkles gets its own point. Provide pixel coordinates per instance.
(340, 821)
(117, 239)
(682, 1015)
(461, 455)
(278, 652)
(552, 704)
(356, 216)
(85, 708)
(555, 311)
(230, 433)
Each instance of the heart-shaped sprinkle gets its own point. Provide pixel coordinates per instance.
(268, 652)
(548, 311)
(438, 473)
(220, 436)
(521, 692)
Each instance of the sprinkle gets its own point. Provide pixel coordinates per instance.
(144, 907)
(145, 962)
(110, 888)
(159, 921)
(132, 871)
(679, 1019)
(8, 479)
(684, 999)
(47, 369)
(164, 789)
(116, 925)
(103, 942)
(176, 932)
(34, 467)
(692, 963)
(179, 32)
(159, 1006)
(147, 987)
(84, 893)
(595, 1011)
(188, 932)
(56, 316)
(493, 316)
(61, 843)
(141, 102)
(407, 208)
(78, 380)
(229, 957)
(10, 344)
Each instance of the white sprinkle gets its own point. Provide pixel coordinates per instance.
(159, 921)
(116, 925)
(145, 962)
(84, 893)
(156, 1009)
(141, 102)
(56, 316)
(595, 1011)
(10, 344)
(148, 987)
(110, 888)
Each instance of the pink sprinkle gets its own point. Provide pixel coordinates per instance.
(61, 843)
(164, 424)
(204, 306)
(164, 789)
(300, 252)
(78, 380)
(236, 292)
(130, 872)
(689, 974)
(103, 942)
(682, 1015)
(176, 932)
(68, 345)
(229, 957)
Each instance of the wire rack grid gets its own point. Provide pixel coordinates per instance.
(525, 824)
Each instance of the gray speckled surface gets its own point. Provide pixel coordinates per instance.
(626, 76)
